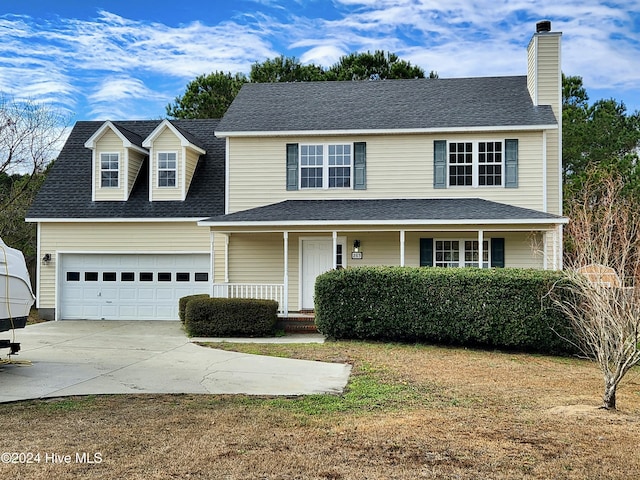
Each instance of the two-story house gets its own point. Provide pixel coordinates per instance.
(438, 172)
(299, 178)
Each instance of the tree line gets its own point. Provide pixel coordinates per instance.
(209, 96)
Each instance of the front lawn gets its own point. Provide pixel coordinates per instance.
(409, 412)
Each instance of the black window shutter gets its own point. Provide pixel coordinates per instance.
(497, 252)
(511, 163)
(292, 166)
(426, 252)
(439, 164)
(360, 166)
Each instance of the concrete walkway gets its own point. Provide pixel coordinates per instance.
(110, 357)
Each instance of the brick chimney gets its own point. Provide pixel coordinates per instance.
(544, 72)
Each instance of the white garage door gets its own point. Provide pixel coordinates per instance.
(129, 287)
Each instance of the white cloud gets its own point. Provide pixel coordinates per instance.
(134, 67)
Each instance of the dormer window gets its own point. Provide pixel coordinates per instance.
(167, 168)
(109, 170)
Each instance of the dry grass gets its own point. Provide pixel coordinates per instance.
(410, 412)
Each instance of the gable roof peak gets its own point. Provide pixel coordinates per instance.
(129, 139)
(186, 139)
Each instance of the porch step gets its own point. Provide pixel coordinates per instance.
(298, 323)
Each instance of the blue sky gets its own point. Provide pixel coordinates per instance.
(128, 59)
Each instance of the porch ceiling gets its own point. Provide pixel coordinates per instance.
(380, 212)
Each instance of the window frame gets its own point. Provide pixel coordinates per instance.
(462, 262)
(475, 162)
(166, 169)
(326, 166)
(110, 170)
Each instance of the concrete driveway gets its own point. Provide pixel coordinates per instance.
(110, 357)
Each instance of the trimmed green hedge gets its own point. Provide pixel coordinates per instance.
(499, 308)
(182, 303)
(224, 317)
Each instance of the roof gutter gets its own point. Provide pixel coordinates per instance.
(390, 131)
(412, 222)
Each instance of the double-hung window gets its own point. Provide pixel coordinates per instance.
(312, 166)
(479, 163)
(325, 166)
(476, 164)
(460, 163)
(109, 170)
(490, 164)
(339, 166)
(167, 169)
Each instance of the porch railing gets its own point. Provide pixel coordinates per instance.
(263, 291)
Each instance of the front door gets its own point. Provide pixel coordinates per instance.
(316, 259)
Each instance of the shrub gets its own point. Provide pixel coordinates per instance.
(217, 317)
(182, 303)
(501, 308)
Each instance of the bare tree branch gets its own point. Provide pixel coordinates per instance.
(604, 308)
(30, 137)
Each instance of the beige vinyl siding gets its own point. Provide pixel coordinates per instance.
(256, 258)
(519, 247)
(548, 69)
(259, 257)
(190, 167)
(543, 70)
(185, 237)
(134, 164)
(544, 82)
(219, 257)
(383, 248)
(109, 143)
(398, 166)
(554, 173)
(165, 142)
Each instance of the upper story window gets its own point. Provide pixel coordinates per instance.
(476, 164)
(167, 169)
(490, 166)
(325, 166)
(109, 170)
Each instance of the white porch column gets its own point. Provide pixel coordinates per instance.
(560, 264)
(480, 247)
(545, 250)
(212, 259)
(285, 294)
(226, 258)
(335, 250)
(402, 248)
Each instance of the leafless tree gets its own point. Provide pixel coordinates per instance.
(601, 293)
(30, 137)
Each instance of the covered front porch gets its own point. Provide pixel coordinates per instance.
(279, 258)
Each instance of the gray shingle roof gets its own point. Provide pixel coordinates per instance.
(380, 210)
(66, 192)
(133, 137)
(385, 105)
